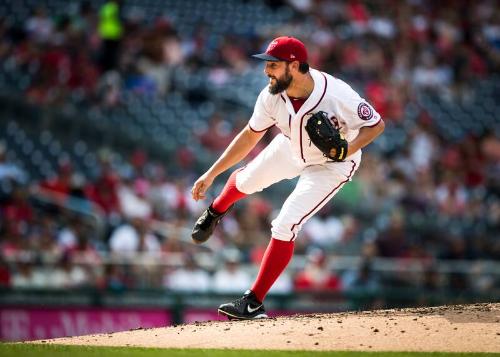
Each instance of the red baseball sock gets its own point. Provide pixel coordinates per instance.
(276, 258)
(229, 195)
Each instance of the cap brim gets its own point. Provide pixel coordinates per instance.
(266, 57)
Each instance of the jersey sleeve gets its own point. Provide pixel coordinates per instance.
(356, 112)
(261, 119)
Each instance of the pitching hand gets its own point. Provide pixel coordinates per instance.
(201, 186)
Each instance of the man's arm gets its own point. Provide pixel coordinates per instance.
(366, 135)
(239, 148)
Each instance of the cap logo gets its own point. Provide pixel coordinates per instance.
(271, 46)
(292, 56)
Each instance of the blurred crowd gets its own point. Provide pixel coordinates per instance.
(390, 49)
(428, 200)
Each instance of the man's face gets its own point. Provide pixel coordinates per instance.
(279, 76)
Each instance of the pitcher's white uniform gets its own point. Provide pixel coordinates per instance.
(291, 153)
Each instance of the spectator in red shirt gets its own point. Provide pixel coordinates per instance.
(104, 190)
(18, 210)
(60, 185)
(316, 275)
(4, 273)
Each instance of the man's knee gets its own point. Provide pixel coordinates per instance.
(247, 184)
(285, 232)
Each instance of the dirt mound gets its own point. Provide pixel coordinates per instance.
(458, 328)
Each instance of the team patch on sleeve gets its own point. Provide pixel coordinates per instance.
(365, 112)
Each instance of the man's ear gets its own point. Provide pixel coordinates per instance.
(294, 66)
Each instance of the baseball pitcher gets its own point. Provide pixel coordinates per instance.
(324, 124)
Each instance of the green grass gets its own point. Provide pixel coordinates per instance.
(30, 350)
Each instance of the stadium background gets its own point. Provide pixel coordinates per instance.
(110, 110)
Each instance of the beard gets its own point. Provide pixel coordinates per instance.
(281, 84)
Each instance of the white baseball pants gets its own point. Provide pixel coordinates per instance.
(316, 186)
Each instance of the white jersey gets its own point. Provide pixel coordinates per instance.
(291, 153)
(348, 111)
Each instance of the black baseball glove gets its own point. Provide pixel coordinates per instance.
(326, 137)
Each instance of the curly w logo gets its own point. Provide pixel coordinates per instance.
(272, 45)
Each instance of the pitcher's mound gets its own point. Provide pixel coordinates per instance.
(459, 328)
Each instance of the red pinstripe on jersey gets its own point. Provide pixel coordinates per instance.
(310, 110)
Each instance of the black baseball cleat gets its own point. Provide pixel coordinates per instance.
(245, 308)
(206, 224)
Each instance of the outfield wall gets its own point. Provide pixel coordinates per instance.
(32, 323)
(41, 314)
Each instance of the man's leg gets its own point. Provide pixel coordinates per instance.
(316, 186)
(276, 258)
(229, 195)
(273, 164)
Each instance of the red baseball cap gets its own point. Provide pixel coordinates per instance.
(284, 48)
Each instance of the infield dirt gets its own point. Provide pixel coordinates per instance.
(458, 328)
